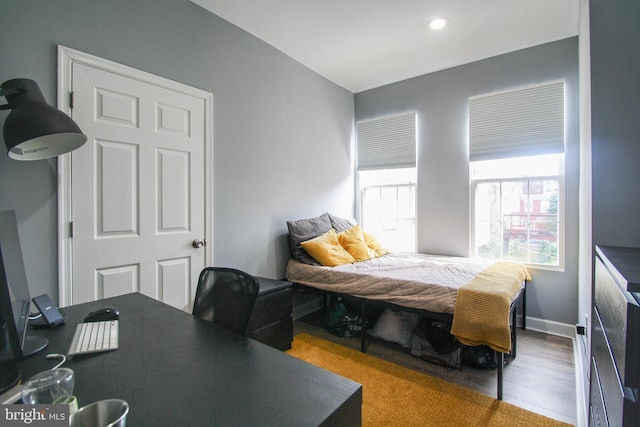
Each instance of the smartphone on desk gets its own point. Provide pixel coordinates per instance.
(49, 312)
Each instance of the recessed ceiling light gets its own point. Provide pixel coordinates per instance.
(438, 23)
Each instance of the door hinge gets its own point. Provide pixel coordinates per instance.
(71, 99)
(71, 229)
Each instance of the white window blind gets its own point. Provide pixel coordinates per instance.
(387, 142)
(522, 122)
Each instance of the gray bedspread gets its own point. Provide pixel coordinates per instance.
(421, 281)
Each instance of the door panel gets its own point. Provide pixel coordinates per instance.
(114, 281)
(174, 271)
(116, 189)
(173, 191)
(137, 189)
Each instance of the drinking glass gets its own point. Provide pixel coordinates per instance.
(54, 386)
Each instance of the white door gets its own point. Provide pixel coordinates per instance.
(137, 189)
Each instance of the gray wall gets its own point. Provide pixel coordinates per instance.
(441, 101)
(615, 129)
(282, 134)
(615, 122)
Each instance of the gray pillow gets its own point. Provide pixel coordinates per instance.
(306, 229)
(340, 224)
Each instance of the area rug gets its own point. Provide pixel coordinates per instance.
(393, 395)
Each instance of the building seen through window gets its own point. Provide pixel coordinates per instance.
(517, 209)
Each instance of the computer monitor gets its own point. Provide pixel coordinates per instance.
(10, 347)
(13, 281)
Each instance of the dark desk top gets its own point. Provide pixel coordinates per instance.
(175, 369)
(626, 262)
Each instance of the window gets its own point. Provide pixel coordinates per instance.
(518, 204)
(388, 206)
(516, 153)
(387, 179)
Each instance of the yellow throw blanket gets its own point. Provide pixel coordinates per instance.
(481, 314)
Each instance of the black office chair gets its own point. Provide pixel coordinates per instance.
(226, 296)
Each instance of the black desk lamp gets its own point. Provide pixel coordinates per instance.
(35, 130)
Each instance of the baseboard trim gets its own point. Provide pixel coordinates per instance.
(582, 410)
(551, 327)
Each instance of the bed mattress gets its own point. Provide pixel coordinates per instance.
(420, 281)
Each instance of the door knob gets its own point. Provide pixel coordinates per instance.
(199, 243)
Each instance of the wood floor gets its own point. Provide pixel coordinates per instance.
(540, 379)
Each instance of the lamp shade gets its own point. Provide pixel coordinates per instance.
(34, 130)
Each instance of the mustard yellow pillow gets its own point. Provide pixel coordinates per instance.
(373, 243)
(327, 250)
(353, 241)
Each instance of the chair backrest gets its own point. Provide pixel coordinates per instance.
(226, 296)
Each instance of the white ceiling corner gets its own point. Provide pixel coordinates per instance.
(363, 44)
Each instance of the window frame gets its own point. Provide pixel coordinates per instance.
(561, 216)
(413, 186)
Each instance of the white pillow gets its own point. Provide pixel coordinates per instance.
(396, 326)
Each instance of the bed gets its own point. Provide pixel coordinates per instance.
(478, 297)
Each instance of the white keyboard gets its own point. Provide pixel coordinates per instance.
(94, 337)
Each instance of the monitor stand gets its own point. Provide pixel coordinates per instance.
(33, 344)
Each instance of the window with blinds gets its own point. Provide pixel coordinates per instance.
(521, 122)
(516, 153)
(387, 173)
(387, 142)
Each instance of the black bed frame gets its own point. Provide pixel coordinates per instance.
(363, 303)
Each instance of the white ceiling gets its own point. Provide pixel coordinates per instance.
(363, 44)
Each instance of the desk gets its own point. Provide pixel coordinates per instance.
(175, 369)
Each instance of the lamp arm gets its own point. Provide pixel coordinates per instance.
(10, 91)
